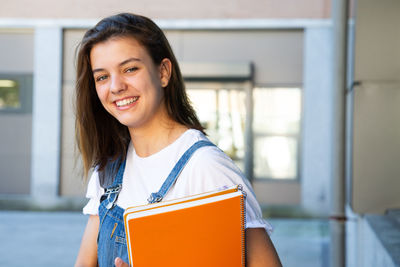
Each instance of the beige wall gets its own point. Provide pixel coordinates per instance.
(375, 155)
(173, 9)
(377, 41)
(16, 51)
(277, 192)
(15, 153)
(276, 55)
(16, 57)
(71, 173)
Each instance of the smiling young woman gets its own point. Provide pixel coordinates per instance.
(131, 88)
(133, 123)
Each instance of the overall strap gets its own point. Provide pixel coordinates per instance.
(158, 196)
(109, 199)
(120, 174)
(112, 192)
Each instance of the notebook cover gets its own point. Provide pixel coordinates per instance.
(210, 234)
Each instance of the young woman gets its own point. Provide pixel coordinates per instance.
(133, 123)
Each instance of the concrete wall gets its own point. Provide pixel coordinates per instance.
(277, 55)
(373, 169)
(16, 50)
(71, 172)
(46, 126)
(317, 123)
(16, 59)
(373, 240)
(173, 9)
(15, 155)
(376, 125)
(377, 41)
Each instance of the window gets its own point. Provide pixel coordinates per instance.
(9, 94)
(15, 93)
(222, 112)
(276, 129)
(275, 133)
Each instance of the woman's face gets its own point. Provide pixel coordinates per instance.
(128, 83)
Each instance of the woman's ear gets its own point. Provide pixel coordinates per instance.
(165, 72)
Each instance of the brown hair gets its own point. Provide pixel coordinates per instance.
(100, 137)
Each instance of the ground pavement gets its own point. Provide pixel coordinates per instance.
(40, 239)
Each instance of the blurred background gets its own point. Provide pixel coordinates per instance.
(303, 95)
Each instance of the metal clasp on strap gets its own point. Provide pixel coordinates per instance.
(155, 197)
(112, 191)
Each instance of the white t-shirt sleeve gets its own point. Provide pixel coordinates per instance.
(93, 193)
(211, 169)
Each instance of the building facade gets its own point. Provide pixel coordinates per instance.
(265, 69)
(263, 66)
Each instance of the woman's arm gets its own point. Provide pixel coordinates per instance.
(87, 256)
(260, 250)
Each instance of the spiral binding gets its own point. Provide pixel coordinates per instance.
(243, 203)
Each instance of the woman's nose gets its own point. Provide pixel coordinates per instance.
(117, 84)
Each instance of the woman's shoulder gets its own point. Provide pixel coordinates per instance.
(210, 155)
(211, 165)
(192, 136)
(93, 193)
(94, 182)
(186, 140)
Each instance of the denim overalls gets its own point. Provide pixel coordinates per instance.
(111, 241)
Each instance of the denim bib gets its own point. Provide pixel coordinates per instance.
(111, 240)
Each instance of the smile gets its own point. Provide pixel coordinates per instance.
(126, 101)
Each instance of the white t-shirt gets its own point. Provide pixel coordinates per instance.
(208, 169)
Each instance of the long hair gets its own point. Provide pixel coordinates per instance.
(100, 137)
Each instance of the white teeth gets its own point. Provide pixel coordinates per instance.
(127, 101)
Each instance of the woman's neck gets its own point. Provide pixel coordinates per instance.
(149, 141)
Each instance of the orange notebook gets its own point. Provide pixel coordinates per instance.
(202, 230)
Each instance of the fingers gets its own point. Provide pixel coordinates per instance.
(120, 263)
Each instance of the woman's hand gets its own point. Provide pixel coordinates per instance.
(120, 263)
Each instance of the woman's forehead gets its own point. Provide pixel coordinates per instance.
(117, 50)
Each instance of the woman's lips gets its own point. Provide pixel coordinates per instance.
(126, 101)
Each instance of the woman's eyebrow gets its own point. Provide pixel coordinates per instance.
(129, 60)
(120, 64)
(97, 70)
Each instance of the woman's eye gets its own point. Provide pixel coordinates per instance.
(131, 69)
(101, 78)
